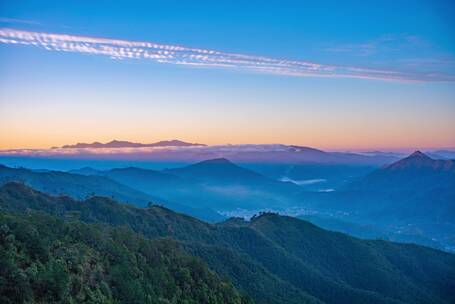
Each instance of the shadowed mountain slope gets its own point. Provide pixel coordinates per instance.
(415, 172)
(83, 186)
(218, 170)
(216, 184)
(417, 187)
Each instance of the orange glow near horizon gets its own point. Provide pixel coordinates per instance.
(361, 142)
(317, 126)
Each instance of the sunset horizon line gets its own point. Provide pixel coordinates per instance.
(358, 149)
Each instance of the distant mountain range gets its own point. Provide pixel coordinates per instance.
(177, 151)
(411, 199)
(274, 259)
(127, 144)
(283, 154)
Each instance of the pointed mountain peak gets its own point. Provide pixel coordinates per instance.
(415, 160)
(419, 154)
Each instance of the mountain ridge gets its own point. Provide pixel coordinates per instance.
(127, 144)
(82, 186)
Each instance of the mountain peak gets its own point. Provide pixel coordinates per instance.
(414, 160)
(218, 170)
(418, 153)
(217, 161)
(421, 161)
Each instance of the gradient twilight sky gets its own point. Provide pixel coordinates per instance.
(327, 74)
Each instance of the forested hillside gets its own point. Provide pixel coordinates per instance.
(46, 260)
(274, 259)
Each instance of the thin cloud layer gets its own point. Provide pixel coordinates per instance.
(249, 153)
(383, 44)
(14, 20)
(180, 55)
(147, 150)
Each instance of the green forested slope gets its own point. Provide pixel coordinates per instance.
(46, 260)
(275, 259)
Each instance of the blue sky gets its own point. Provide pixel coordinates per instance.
(55, 97)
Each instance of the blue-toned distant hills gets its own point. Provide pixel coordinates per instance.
(411, 199)
(414, 196)
(216, 184)
(416, 187)
(416, 172)
(82, 186)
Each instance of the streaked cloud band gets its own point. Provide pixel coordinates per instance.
(180, 55)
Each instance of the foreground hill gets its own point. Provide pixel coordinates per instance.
(46, 260)
(274, 259)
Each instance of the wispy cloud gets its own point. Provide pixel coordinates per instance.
(14, 20)
(181, 55)
(383, 44)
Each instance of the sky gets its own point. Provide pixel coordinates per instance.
(335, 75)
